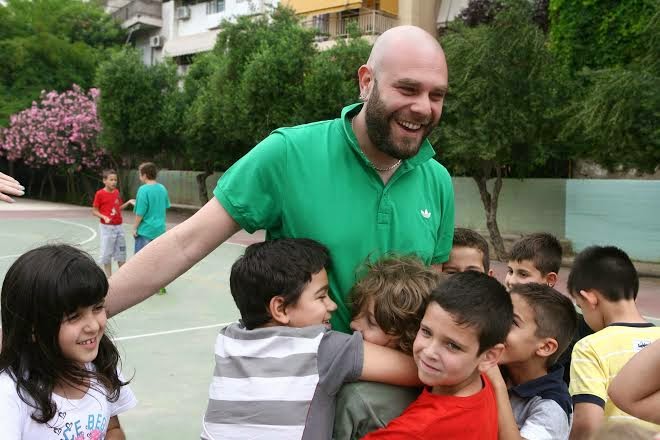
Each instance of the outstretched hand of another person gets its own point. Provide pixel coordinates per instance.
(9, 186)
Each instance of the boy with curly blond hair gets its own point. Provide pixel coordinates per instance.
(388, 303)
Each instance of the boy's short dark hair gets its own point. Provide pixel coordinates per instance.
(554, 314)
(148, 169)
(542, 249)
(477, 300)
(107, 173)
(471, 239)
(399, 287)
(606, 269)
(272, 268)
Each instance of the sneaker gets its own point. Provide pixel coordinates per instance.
(162, 291)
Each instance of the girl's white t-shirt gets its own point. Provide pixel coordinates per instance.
(84, 419)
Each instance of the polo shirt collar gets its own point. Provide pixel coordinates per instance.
(551, 386)
(425, 152)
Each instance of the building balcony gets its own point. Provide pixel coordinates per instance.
(367, 21)
(140, 14)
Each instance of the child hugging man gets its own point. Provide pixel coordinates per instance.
(278, 370)
(107, 206)
(604, 283)
(535, 405)
(460, 337)
(388, 303)
(469, 251)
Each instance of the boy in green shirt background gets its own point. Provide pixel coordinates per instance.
(151, 203)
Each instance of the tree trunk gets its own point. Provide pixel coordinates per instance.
(201, 186)
(53, 190)
(490, 205)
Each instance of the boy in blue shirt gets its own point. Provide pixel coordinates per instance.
(534, 403)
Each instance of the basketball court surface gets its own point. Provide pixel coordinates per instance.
(167, 341)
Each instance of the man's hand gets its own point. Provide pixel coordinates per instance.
(9, 185)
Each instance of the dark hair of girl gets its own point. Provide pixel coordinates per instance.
(42, 287)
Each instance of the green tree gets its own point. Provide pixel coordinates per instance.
(50, 45)
(140, 106)
(614, 120)
(501, 111)
(600, 33)
(332, 81)
(250, 85)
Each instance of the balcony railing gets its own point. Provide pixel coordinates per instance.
(149, 12)
(369, 22)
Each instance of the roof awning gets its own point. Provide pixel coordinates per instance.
(190, 44)
(449, 9)
(318, 7)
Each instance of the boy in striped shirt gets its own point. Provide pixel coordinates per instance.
(604, 283)
(279, 368)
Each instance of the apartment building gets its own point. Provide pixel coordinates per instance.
(179, 29)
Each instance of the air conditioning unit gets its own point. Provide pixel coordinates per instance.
(182, 13)
(156, 41)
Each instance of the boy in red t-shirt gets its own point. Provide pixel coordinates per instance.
(460, 337)
(107, 206)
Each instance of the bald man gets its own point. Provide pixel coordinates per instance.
(363, 184)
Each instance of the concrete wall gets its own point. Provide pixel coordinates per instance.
(525, 206)
(624, 213)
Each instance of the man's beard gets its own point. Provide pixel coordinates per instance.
(379, 129)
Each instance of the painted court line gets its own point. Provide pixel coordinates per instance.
(92, 237)
(78, 224)
(169, 332)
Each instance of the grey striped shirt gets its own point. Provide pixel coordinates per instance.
(279, 383)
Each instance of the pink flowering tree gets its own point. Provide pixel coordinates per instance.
(58, 134)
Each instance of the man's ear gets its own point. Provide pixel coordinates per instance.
(490, 357)
(491, 273)
(277, 310)
(365, 78)
(551, 279)
(547, 347)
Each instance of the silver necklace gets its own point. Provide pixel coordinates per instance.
(390, 168)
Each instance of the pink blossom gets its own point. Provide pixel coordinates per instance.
(61, 130)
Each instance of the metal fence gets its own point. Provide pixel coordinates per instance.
(368, 22)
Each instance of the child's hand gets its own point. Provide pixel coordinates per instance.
(131, 202)
(495, 376)
(106, 219)
(135, 234)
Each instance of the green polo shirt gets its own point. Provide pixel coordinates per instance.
(314, 181)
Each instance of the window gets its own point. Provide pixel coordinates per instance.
(215, 6)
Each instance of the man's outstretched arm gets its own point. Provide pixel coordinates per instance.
(169, 256)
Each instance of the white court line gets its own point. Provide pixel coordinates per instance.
(169, 332)
(77, 224)
(94, 234)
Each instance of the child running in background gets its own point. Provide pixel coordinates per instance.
(534, 402)
(461, 336)
(59, 371)
(107, 206)
(279, 368)
(388, 304)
